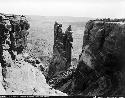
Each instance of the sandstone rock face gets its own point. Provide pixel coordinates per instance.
(102, 59)
(22, 78)
(105, 43)
(61, 50)
(2, 90)
(18, 75)
(100, 69)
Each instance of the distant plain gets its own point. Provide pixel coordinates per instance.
(42, 27)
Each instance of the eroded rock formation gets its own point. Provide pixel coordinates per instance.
(61, 50)
(100, 70)
(103, 53)
(19, 74)
(63, 42)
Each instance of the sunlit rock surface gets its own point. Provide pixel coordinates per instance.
(2, 90)
(24, 79)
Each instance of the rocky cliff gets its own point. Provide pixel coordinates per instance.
(62, 50)
(102, 59)
(20, 74)
(100, 70)
(22, 78)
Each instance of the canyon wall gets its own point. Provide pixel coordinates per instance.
(100, 69)
(20, 74)
(101, 64)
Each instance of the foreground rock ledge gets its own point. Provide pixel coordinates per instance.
(24, 79)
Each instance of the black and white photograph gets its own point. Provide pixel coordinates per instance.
(62, 48)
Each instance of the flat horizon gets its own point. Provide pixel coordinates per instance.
(69, 8)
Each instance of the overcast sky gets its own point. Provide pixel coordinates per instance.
(76, 8)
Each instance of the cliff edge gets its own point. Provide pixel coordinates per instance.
(100, 69)
(102, 58)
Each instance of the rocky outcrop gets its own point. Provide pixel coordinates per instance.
(22, 78)
(101, 63)
(19, 73)
(62, 47)
(13, 35)
(100, 69)
(13, 32)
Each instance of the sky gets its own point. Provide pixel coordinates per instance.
(75, 8)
